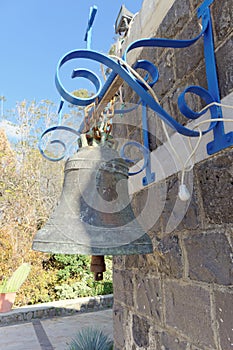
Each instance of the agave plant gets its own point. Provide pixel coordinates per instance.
(91, 339)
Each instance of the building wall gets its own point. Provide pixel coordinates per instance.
(181, 296)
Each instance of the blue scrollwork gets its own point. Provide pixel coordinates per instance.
(56, 141)
(152, 71)
(121, 68)
(142, 149)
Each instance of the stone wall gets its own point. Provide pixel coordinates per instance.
(181, 296)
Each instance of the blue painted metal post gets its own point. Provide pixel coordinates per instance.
(150, 177)
(221, 140)
(59, 112)
(93, 11)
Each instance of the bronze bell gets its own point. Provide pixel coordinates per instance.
(94, 214)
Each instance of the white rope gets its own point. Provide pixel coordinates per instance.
(183, 191)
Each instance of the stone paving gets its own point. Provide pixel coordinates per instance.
(51, 326)
(53, 333)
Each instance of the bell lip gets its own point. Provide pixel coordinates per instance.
(141, 246)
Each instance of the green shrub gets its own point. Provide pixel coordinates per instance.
(85, 287)
(68, 266)
(56, 277)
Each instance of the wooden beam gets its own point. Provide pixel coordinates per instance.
(108, 96)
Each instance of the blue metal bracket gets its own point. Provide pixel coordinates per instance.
(221, 140)
(87, 38)
(150, 176)
(210, 95)
(203, 7)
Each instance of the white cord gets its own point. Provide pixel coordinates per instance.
(138, 76)
(215, 104)
(184, 194)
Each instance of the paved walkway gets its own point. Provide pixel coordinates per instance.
(53, 333)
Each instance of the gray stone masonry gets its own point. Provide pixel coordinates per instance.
(56, 308)
(181, 296)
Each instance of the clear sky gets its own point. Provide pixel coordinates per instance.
(35, 34)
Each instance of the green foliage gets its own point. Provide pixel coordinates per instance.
(75, 290)
(44, 283)
(38, 288)
(82, 93)
(30, 187)
(68, 266)
(112, 50)
(91, 339)
(85, 286)
(16, 280)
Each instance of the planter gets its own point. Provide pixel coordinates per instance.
(7, 301)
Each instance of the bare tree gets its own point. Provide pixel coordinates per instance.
(29, 185)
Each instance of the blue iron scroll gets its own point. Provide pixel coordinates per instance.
(220, 141)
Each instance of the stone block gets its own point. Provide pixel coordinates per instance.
(169, 255)
(52, 312)
(166, 74)
(178, 215)
(148, 297)
(147, 210)
(150, 54)
(135, 134)
(190, 30)
(120, 130)
(209, 258)
(28, 316)
(200, 77)
(224, 315)
(167, 341)
(188, 310)
(20, 317)
(225, 67)
(123, 286)
(187, 59)
(38, 313)
(154, 135)
(175, 19)
(151, 266)
(195, 3)
(131, 261)
(119, 323)
(193, 347)
(193, 101)
(138, 201)
(118, 261)
(140, 330)
(216, 184)
(222, 12)
(136, 261)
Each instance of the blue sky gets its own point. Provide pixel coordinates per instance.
(35, 34)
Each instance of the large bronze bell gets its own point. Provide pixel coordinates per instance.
(94, 214)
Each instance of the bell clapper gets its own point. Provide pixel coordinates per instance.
(98, 267)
